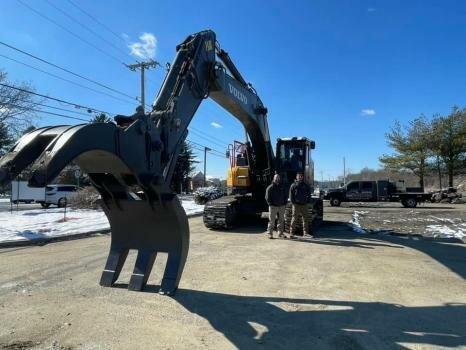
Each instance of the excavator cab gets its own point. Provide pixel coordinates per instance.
(294, 155)
(238, 179)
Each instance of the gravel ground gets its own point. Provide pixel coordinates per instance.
(340, 290)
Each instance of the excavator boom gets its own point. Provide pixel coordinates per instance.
(140, 152)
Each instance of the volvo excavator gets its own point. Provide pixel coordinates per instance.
(131, 162)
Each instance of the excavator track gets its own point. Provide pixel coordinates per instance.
(221, 213)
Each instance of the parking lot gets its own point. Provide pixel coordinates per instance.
(375, 288)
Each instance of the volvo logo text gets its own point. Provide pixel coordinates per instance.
(238, 94)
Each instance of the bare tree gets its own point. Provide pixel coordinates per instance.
(16, 105)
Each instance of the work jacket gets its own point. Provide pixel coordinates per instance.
(275, 195)
(300, 193)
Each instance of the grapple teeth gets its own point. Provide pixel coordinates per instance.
(115, 261)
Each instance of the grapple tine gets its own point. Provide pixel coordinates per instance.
(172, 274)
(115, 261)
(26, 150)
(142, 269)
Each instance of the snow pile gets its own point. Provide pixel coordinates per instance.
(444, 231)
(355, 224)
(39, 224)
(190, 207)
(204, 194)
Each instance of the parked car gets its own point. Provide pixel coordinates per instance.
(58, 195)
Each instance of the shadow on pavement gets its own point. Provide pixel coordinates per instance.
(452, 256)
(286, 323)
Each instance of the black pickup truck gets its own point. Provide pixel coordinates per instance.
(377, 191)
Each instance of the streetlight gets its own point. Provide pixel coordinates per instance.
(206, 149)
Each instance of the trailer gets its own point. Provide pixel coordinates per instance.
(22, 193)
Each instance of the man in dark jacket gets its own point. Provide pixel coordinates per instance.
(300, 196)
(276, 198)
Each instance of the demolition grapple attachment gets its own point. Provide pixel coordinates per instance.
(131, 164)
(143, 213)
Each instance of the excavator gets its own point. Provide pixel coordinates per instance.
(246, 190)
(131, 162)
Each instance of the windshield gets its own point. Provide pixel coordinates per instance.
(291, 156)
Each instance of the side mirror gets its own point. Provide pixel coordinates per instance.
(313, 145)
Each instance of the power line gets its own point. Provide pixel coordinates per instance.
(69, 31)
(60, 109)
(96, 20)
(76, 105)
(51, 113)
(86, 27)
(66, 70)
(64, 79)
(207, 135)
(213, 154)
(207, 138)
(198, 144)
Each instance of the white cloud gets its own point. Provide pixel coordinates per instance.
(369, 112)
(216, 125)
(145, 48)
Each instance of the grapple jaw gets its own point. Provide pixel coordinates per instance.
(118, 160)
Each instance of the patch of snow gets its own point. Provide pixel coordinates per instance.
(190, 207)
(5, 200)
(29, 225)
(40, 223)
(355, 224)
(443, 231)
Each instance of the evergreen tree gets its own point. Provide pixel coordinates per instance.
(412, 146)
(6, 139)
(101, 118)
(183, 168)
(449, 135)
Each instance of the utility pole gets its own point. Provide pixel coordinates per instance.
(206, 149)
(143, 66)
(344, 171)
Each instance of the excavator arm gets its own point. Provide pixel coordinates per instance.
(131, 163)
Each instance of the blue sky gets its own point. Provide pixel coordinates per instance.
(339, 72)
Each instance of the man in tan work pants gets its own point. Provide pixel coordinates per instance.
(276, 198)
(300, 195)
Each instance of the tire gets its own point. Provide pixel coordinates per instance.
(410, 202)
(45, 205)
(335, 202)
(61, 202)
